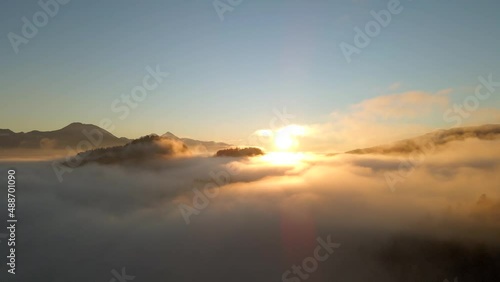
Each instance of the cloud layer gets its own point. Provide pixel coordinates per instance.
(441, 220)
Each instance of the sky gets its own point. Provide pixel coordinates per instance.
(228, 74)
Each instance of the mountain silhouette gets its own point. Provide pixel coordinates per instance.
(71, 135)
(192, 143)
(148, 147)
(79, 136)
(436, 139)
(240, 152)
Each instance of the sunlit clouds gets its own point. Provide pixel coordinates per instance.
(450, 197)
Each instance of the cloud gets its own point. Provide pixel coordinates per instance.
(485, 115)
(47, 143)
(378, 120)
(267, 217)
(408, 104)
(395, 86)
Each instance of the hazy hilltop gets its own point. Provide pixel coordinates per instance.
(204, 145)
(240, 152)
(148, 147)
(151, 147)
(437, 139)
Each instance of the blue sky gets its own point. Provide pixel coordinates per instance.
(226, 77)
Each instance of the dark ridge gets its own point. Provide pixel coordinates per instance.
(239, 152)
(434, 139)
(148, 147)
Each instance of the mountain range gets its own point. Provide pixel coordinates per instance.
(37, 143)
(192, 143)
(73, 134)
(436, 139)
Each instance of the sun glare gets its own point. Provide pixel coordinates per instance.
(284, 142)
(285, 139)
(283, 158)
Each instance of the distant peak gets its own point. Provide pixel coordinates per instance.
(74, 124)
(78, 125)
(170, 135)
(4, 132)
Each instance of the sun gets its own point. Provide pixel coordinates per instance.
(284, 142)
(285, 139)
